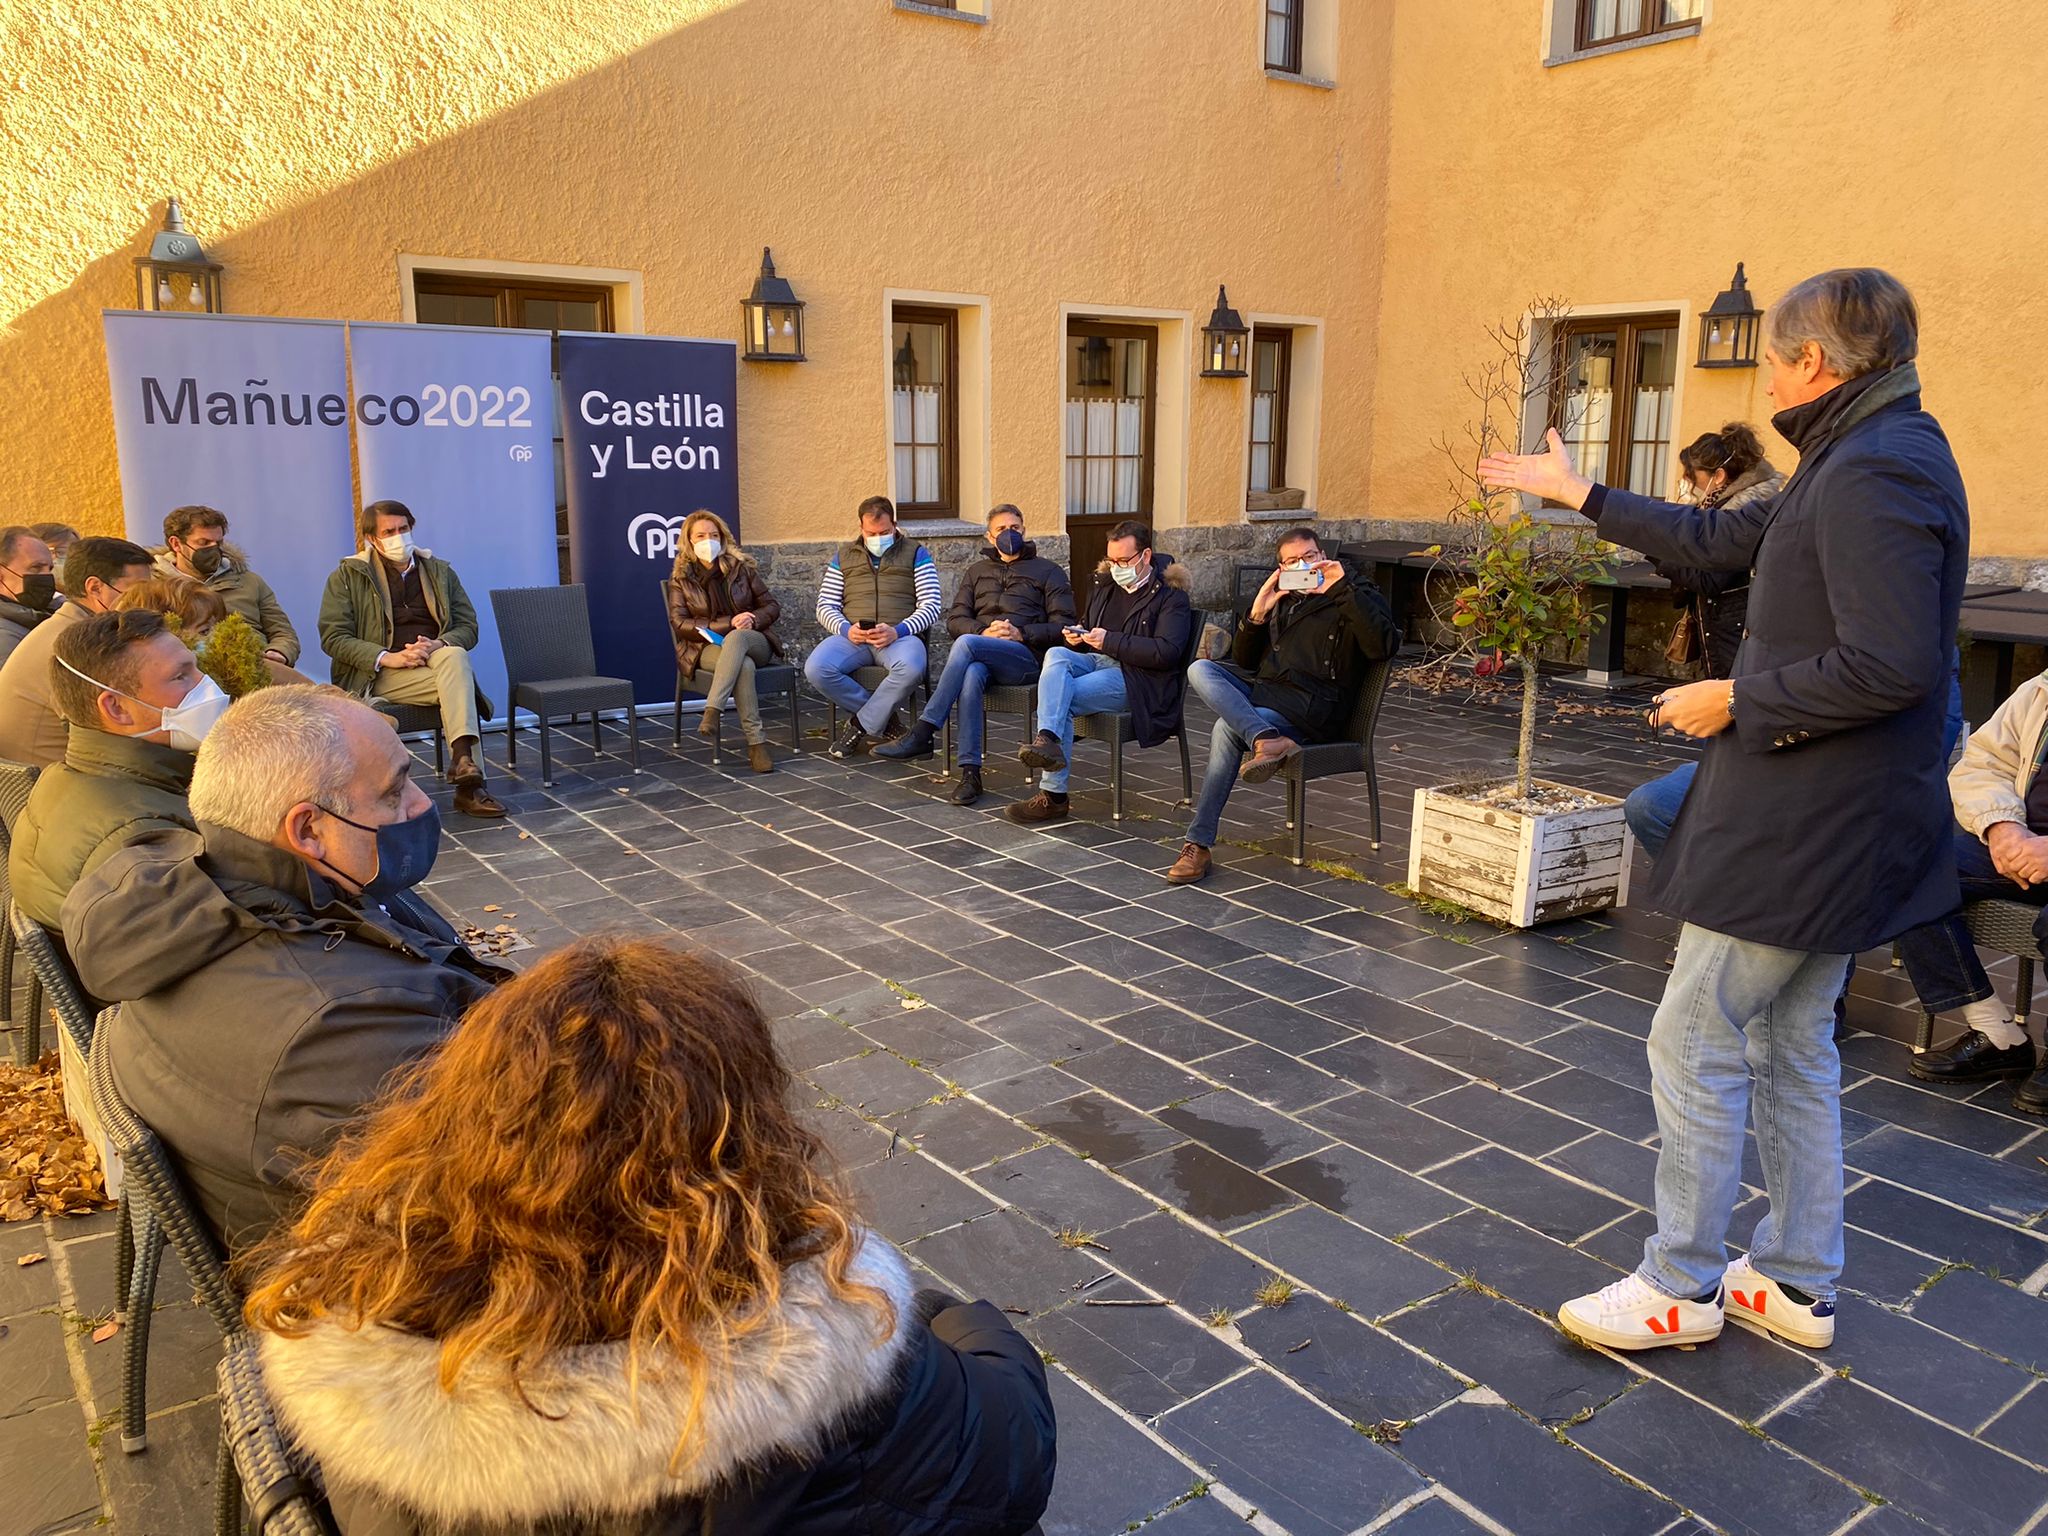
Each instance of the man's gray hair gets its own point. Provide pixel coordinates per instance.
(1861, 318)
(274, 748)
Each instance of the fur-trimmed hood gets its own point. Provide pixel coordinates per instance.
(1165, 567)
(367, 1405)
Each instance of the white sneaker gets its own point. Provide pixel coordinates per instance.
(1633, 1314)
(1757, 1301)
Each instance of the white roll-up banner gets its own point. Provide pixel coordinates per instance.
(457, 422)
(247, 415)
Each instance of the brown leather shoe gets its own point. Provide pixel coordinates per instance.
(1269, 756)
(1192, 865)
(1040, 807)
(475, 800)
(759, 760)
(707, 723)
(465, 772)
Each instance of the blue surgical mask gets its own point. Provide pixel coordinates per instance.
(1010, 542)
(405, 851)
(878, 544)
(1126, 576)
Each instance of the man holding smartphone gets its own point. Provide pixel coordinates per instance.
(1296, 666)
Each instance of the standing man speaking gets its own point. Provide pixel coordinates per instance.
(1819, 823)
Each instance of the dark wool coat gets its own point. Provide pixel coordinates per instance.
(1720, 599)
(942, 1428)
(1308, 659)
(1820, 819)
(1151, 647)
(693, 607)
(1031, 593)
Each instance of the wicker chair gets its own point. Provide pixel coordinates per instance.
(551, 664)
(16, 780)
(411, 719)
(2008, 927)
(770, 682)
(1118, 729)
(1350, 754)
(872, 678)
(55, 979)
(282, 1499)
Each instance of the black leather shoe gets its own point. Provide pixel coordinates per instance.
(968, 790)
(1973, 1059)
(2031, 1097)
(915, 742)
(1043, 753)
(852, 742)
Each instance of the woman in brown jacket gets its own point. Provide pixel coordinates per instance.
(718, 602)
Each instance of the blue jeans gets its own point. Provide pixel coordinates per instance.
(1941, 957)
(974, 662)
(1746, 1027)
(1239, 723)
(831, 666)
(1074, 683)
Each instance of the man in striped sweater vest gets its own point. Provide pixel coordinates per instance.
(879, 596)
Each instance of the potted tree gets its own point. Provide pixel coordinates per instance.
(1517, 848)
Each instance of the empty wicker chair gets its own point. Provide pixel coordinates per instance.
(2008, 927)
(258, 1467)
(551, 665)
(1352, 753)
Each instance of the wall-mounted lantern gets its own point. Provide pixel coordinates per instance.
(1728, 327)
(774, 318)
(176, 275)
(1223, 340)
(1096, 358)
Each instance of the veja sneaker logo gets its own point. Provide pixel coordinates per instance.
(662, 535)
(1754, 1301)
(1668, 1324)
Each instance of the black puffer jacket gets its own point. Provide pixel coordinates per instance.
(1031, 593)
(1308, 659)
(1150, 645)
(942, 1428)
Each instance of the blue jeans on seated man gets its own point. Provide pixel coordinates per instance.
(1941, 957)
(1239, 723)
(1074, 683)
(974, 662)
(1746, 1028)
(831, 666)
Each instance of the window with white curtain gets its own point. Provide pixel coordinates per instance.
(1108, 427)
(925, 409)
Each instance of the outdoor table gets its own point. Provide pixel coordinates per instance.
(1994, 629)
(1606, 662)
(1984, 589)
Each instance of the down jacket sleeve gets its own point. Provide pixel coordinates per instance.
(1985, 784)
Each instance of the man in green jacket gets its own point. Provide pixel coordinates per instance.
(398, 626)
(138, 707)
(196, 547)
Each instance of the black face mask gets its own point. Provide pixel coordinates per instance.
(206, 559)
(38, 591)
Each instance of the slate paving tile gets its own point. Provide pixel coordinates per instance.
(1202, 946)
(1646, 982)
(990, 1066)
(1935, 1114)
(1307, 1470)
(1198, 1517)
(1198, 989)
(1386, 1069)
(1345, 1362)
(1278, 979)
(1510, 1018)
(1495, 1460)
(1711, 1465)
(1523, 1358)
(1520, 977)
(1388, 975)
(1369, 1274)
(1062, 1191)
(925, 1038)
(1617, 1010)
(1114, 955)
(968, 994)
(48, 1471)
(1244, 1131)
(1958, 1485)
(1273, 1077)
(1919, 1365)
(852, 1140)
(1505, 1256)
(1146, 1360)
(1626, 1169)
(1356, 1010)
(2022, 1428)
(1286, 1028)
(1030, 1090)
(34, 1373)
(1742, 1373)
(1589, 1097)
(1883, 1270)
(1084, 994)
(961, 1133)
(1502, 1118)
(1172, 1032)
(1010, 959)
(2008, 1191)
(1111, 1474)
(1052, 930)
(1137, 1077)
(1480, 1055)
(1396, 1133)
(1006, 1259)
(1372, 1193)
(1996, 1317)
(1207, 1186)
(1605, 1052)
(1928, 1225)
(169, 1491)
(905, 1196)
(877, 1083)
(1112, 1133)
(1432, 1517)
(1045, 1033)
(184, 1346)
(1554, 1206)
(1187, 1266)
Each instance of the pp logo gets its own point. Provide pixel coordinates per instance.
(662, 534)
(521, 454)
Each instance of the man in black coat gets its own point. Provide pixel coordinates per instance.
(1008, 611)
(1298, 663)
(1128, 654)
(1819, 823)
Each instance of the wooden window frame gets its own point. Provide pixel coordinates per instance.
(508, 292)
(1627, 331)
(1292, 10)
(1081, 330)
(948, 504)
(1582, 32)
(1283, 336)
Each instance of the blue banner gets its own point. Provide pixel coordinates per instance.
(648, 438)
(457, 422)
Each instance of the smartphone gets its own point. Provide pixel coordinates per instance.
(1301, 581)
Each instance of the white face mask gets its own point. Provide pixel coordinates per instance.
(878, 543)
(1127, 576)
(397, 547)
(185, 724)
(708, 550)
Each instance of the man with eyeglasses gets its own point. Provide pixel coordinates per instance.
(1297, 664)
(28, 589)
(96, 573)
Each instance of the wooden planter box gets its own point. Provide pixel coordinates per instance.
(1515, 867)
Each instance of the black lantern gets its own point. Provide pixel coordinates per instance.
(906, 364)
(1728, 327)
(176, 275)
(1096, 354)
(775, 318)
(1223, 341)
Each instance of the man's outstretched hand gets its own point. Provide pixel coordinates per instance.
(1548, 474)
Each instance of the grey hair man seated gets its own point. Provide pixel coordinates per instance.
(274, 969)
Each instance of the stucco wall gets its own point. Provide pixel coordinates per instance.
(1907, 134)
(1066, 153)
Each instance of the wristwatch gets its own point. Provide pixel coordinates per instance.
(1731, 698)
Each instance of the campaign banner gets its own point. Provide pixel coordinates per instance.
(457, 423)
(247, 415)
(648, 438)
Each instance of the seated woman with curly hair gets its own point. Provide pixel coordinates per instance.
(585, 1271)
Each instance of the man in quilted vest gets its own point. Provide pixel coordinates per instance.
(879, 596)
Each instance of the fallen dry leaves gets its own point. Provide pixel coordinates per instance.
(46, 1166)
(498, 939)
